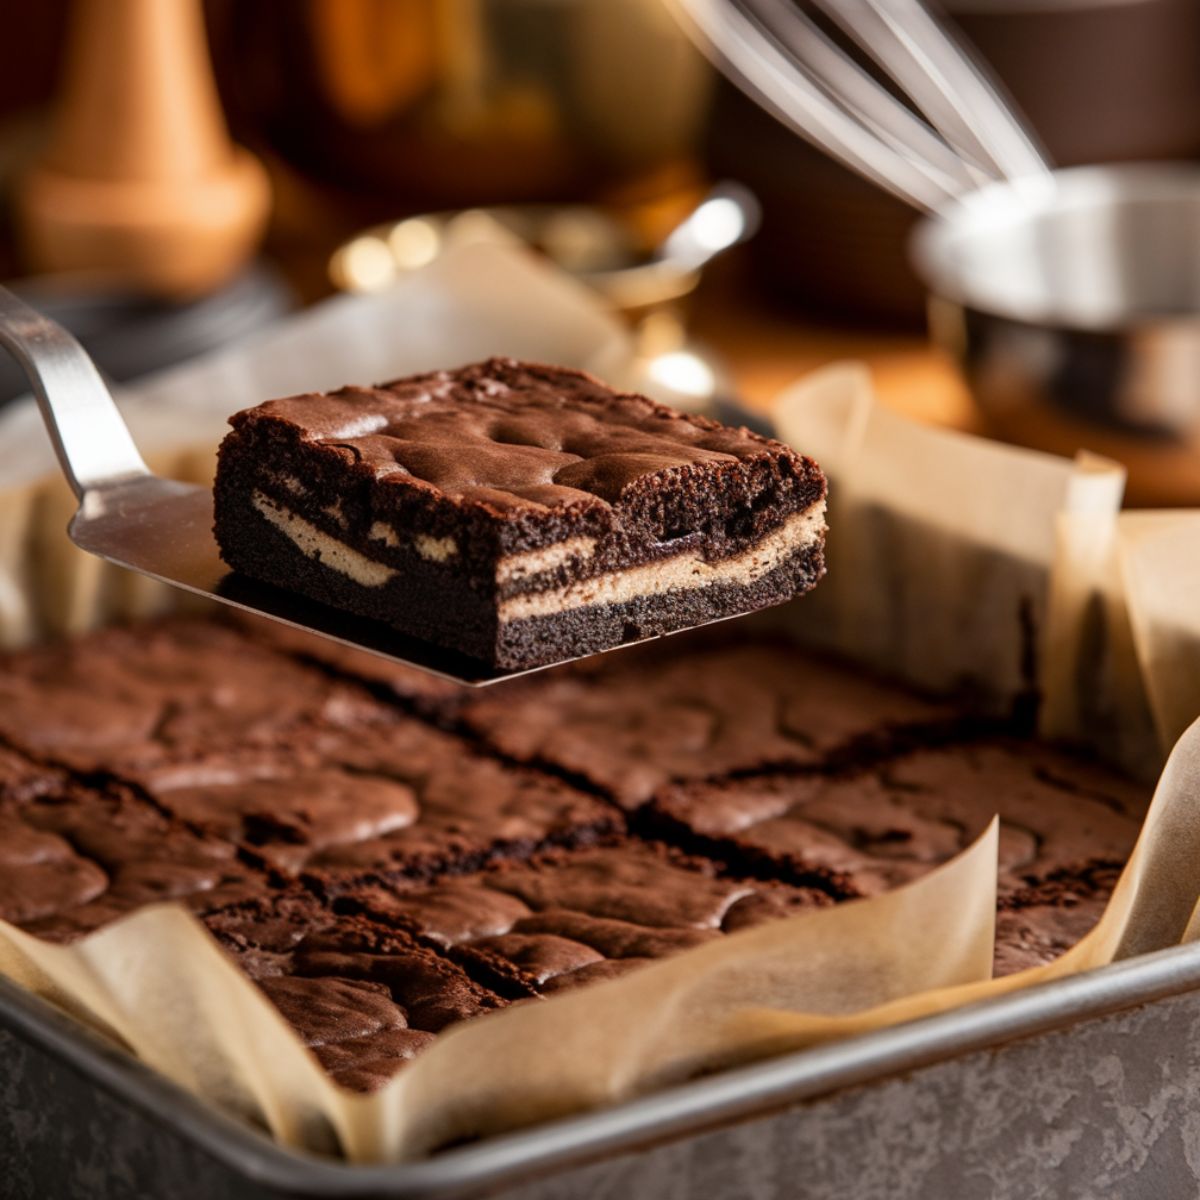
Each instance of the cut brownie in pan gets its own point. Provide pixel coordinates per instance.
(364, 997)
(636, 722)
(398, 799)
(75, 859)
(368, 981)
(573, 917)
(1036, 924)
(520, 514)
(162, 691)
(1065, 829)
(886, 826)
(21, 777)
(380, 877)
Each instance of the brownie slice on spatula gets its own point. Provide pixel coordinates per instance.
(517, 514)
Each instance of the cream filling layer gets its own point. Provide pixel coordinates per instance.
(379, 532)
(289, 483)
(435, 549)
(515, 567)
(314, 543)
(681, 573)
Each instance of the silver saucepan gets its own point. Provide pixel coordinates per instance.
(1070, 298)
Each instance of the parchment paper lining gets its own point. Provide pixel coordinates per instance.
(955, 564)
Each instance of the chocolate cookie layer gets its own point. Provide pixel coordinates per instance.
(516, 513)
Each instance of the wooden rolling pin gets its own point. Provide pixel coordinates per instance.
(140, 183)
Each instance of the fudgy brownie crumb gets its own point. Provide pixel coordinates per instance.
(643, 719)
(364, 997)
(572, 917)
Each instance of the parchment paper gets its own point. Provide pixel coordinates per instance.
(954, 564)
(1158, 557)
(944, 546)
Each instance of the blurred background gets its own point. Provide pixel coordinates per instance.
(590, 128)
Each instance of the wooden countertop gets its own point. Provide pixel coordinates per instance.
(766, 350)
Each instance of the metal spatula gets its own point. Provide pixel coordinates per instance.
(161, 527)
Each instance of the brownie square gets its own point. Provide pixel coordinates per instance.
(364, 997)
(516, 513)
(883, 827)
(635, 722)
(74, 859)
(385, 801)
(163, 691)
(572, 917)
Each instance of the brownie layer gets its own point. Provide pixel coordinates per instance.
(574, 917)
(630, 724)
(522, 457)
(385, 801)
(364, 997)
(453, 505)
(380, 877)
(163, 691)
(886, 826)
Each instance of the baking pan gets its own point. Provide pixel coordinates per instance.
(1088, 1086)
(1082, 1087)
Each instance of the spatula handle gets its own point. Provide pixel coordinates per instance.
(90, 437)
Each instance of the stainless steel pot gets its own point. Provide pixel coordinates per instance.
(1079, 301)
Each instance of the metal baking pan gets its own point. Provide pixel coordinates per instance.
(1089, 1086)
